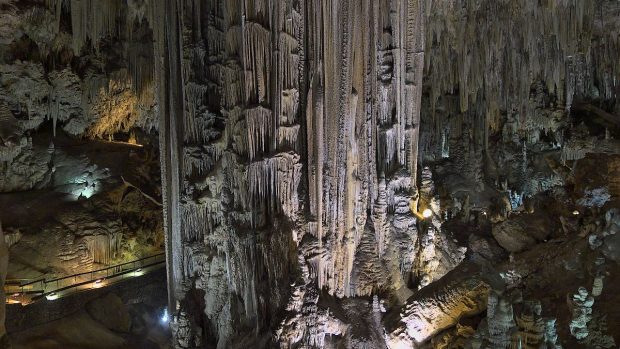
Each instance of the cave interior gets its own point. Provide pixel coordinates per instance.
(301, 174)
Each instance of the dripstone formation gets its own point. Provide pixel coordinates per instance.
(334, 174)
(290, 151)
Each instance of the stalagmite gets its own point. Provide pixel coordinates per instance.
(581, 308)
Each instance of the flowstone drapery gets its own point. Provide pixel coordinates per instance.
(289, 140)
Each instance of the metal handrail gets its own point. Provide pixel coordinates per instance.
(15, 281)
(118, 267)
(122, 273)
(32, 282)
(94, 275)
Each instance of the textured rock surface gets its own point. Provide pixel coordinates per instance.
(111, 312)
(97, 219)
(324, 162)
(462, 292)
(77, 191)
(291, 130)
(522, 232)
(297, 139)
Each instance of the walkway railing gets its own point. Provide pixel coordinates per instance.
(32, 290)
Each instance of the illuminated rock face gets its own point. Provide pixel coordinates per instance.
(290, 144)
(462, 292)
(109, 92)
(290, 134)
(290, 154)
(71, 81)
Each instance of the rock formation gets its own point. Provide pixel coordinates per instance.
(77, 190)
(334, 174)
(462, 292)
(297, 134)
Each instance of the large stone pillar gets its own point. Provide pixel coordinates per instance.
(166, 23)
(288, 135)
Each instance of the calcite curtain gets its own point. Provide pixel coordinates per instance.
(289, 138)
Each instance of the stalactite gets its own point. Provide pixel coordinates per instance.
(104, 248)
(257, 62)
(91, 21)
(195, 95)
(259, 125)
(262, 69)
(288, 136)
(564, 55)
(275, 180)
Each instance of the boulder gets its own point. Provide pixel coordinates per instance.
(611, 235)
(461, 293)
(520, 232)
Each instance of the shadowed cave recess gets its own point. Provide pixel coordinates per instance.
(297, 174)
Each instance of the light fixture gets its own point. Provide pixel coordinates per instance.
(138, 272)
(165, 317)
(51, 296)
(427, 213)
(98, 283)
(576, 213)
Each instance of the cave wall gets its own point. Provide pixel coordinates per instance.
(300, 140)
(291, 129)
(500, 92)
(78, 145)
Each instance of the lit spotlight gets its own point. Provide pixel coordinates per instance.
(427, 213)
(576, 213)
(165, 317)
(98, 283)
(138, 272)
(52, 296)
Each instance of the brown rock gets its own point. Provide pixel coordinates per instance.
(521, 232)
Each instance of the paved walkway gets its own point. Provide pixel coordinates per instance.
(28, 292)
